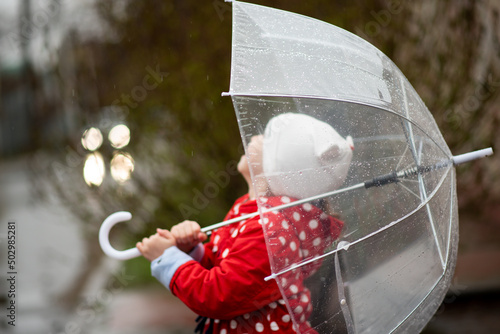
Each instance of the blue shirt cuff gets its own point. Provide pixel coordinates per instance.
(164, 267)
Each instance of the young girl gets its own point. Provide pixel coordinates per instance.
(223, 280)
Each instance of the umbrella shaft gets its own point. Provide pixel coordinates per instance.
(404, 174)
(414, 171)
(210, 228)
(375, 182)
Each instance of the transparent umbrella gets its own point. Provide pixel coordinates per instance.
(391, 265)
(386, 262)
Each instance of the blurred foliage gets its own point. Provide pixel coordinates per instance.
(184, 132)
(451, 54)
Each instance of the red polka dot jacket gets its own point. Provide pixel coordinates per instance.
(223, 280)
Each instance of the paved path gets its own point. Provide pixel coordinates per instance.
(48, 258)
(146, 312)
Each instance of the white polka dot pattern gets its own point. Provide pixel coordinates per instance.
(294, 235)
(303, 232)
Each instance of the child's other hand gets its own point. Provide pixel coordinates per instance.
(187, 235)
(154, 246)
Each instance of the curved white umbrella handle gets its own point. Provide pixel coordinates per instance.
(106, 226)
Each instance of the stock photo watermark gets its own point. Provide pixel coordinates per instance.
(220, 180)
(139, 93)
(381, 19)
(30, 27)
(88, 310)
(456, 290)
(201, 198)
(222, 8)
(462, 113)
(11, 257)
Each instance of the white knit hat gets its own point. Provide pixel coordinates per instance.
(304, 157)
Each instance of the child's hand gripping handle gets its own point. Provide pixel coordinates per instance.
(106, 226)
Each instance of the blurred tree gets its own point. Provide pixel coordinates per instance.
(159, 69)
(450, 51)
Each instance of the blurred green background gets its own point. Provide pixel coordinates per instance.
(72, 71)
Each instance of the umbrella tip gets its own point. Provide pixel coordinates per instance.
(466, 157)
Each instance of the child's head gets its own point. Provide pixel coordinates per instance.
(254, 151)
(303, 156)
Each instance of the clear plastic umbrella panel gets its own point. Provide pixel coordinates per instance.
(389, 267)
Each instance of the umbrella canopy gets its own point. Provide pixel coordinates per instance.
(388, 261)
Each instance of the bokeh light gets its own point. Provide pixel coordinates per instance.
(94, 170)
(92, 139)
(122, 166)
(119, 136)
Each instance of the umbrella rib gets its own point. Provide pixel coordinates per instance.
(409, 190)
(410, 181)
(367, 104)
(444, 271)
(402, 156)
(420, 148)
(342, 299)
(423, 191)
(346, 245)
(431, 220)
(452, 190)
